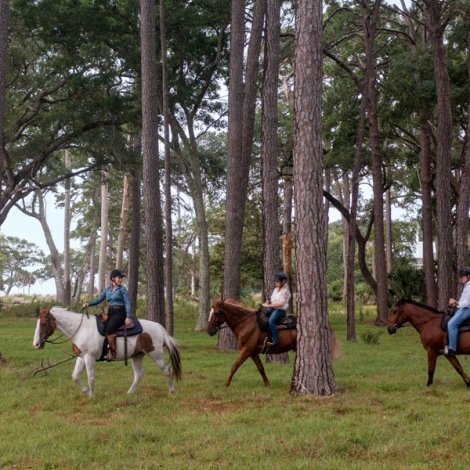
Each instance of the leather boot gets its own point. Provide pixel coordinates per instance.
(111, 348)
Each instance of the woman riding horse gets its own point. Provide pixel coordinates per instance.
(119, 309)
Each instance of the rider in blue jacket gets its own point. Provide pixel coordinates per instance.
(119, 309)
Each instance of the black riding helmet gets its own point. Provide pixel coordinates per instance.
(115, 273)
(281, 277)
(464, 271)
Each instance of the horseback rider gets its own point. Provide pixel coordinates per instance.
(119, 309)
(277, 306)
(462, 313)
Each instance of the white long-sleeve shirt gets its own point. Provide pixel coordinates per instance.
(281, 296)
(464, 301)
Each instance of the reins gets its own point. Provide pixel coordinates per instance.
(397, 327)
(235, 324)
(56, 340)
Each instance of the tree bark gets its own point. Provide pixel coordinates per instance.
(432, 13)
(102, 264)
(151, 173)
(4, 17)
(67, 223)
(123, 222)
(313, 372)
(134, 252)
(168, 199)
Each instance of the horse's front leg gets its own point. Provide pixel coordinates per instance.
(77, 370)
(244, 355)
(458, 367)
(259, 365)
(432, 357)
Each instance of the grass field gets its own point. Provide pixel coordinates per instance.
(383, 416)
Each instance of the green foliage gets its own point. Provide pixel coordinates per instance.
(408, 282)
(371, 337)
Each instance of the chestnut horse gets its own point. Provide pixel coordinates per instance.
(243, 322)
(427, 322)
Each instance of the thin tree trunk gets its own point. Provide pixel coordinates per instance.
(168, 217)
(102, 270)
(123, 222)
(4, 17)
(134, 252)
(287, 237)
(67, 222)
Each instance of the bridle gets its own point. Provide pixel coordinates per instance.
(396, 326)
(48, 322)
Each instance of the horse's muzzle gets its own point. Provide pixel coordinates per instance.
(211, 331)
(392, 329)
(41, 344)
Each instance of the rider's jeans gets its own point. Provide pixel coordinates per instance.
(453, 326)
(276, 316)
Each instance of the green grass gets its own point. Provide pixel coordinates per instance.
(383, 416)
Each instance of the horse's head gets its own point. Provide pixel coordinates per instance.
(45, 326)
(216, 317)
(397, 317)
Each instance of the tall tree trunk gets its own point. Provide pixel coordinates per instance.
(370, 30)
(287, 237)
(123, 222)
(464, 188)
(134, 252)
(151, 173)
(4, 16)
(313, 371)
(269, 178)
(242, 104)
(102, 263)
(168, 217)
(388, 229)
(433, 10)
(67, 222)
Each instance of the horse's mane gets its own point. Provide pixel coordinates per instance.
(238, 305)
(421, 305)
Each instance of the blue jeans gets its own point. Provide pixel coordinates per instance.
(453, 326)
(276, 316)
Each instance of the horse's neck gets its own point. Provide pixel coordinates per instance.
(419, 316)
(238, 315)
(68, 322)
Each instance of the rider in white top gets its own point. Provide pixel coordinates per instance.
(462, 313)
(277, 306)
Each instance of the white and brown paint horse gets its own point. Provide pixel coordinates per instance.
(87, 344)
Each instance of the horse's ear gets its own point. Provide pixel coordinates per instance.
(393, 294)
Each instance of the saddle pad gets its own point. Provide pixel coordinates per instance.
(135, 328)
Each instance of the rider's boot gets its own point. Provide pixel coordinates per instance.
(111, 348)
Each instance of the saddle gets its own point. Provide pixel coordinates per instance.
(465, 326)
(135, 328)
(287, 323)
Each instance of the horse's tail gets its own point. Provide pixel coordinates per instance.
(173, 350)
(335, 345)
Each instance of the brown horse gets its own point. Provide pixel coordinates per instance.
(243, 322)
(427, 322)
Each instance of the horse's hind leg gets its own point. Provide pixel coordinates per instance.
(458, 367)
(138, 372)
(259, 365)
(77, 370)
(164, 367)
